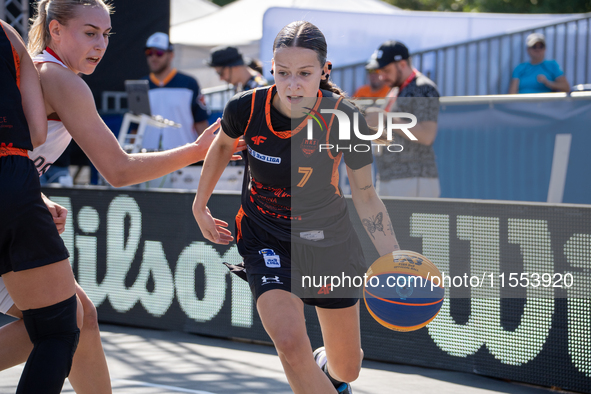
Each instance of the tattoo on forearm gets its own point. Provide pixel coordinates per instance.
(374, 223)
(366, 187)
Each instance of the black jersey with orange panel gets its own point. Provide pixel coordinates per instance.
(14, 130)
(291, 185)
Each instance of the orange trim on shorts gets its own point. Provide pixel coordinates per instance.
(8, 150)
(239, 217)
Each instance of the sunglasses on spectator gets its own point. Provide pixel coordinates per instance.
(157, 52)
(538, 46)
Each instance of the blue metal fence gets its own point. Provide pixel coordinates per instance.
(484, 66)
(502, 147)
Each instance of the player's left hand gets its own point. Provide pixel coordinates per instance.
(58, 214)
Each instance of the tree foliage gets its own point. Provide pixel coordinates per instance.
(505, 6)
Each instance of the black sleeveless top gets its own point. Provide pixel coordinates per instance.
(291, 186)
(13, 124)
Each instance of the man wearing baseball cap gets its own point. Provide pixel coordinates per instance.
(174, 96)
(231, 67)
(538, 75)
(411, 172)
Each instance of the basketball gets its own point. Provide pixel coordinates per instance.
(399, 291)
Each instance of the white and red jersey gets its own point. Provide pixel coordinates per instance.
(58, 138)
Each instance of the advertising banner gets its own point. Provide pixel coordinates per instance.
(516, 277)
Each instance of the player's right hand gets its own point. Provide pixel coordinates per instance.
(206, 138)
(214, 230)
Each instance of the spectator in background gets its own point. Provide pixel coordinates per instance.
(538, 75)
(376, 87)
(413, 171)
(231, 67)
(174, 96)
(256, 65)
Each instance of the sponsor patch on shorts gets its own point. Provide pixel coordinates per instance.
(272, 260)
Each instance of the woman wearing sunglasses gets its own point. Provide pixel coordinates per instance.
(538, 75)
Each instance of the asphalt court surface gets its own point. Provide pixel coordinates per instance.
(143, 361)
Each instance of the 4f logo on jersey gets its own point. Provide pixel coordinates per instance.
(272, 260)
(259, 139)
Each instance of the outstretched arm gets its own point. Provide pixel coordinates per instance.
(69, 96)
(371, 211)
(216, 160)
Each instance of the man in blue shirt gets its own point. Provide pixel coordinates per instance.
(538, 75)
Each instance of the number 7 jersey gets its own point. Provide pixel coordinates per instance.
(291, 185)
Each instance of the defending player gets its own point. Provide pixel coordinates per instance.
(33, 259)
(272, 237)
(69, 37)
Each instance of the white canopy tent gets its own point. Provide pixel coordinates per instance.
(182, 11)
(240, 24)
(353, 28)
(352, 38)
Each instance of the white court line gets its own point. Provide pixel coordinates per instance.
(160, 386)
(559, 167)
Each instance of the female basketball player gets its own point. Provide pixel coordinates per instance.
(284, 228)
(69, 37)
(33, 259)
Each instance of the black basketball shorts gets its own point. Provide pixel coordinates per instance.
(28, 235)
(304, 270)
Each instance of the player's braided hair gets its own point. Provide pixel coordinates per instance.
(60, 10)
(304, 34)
